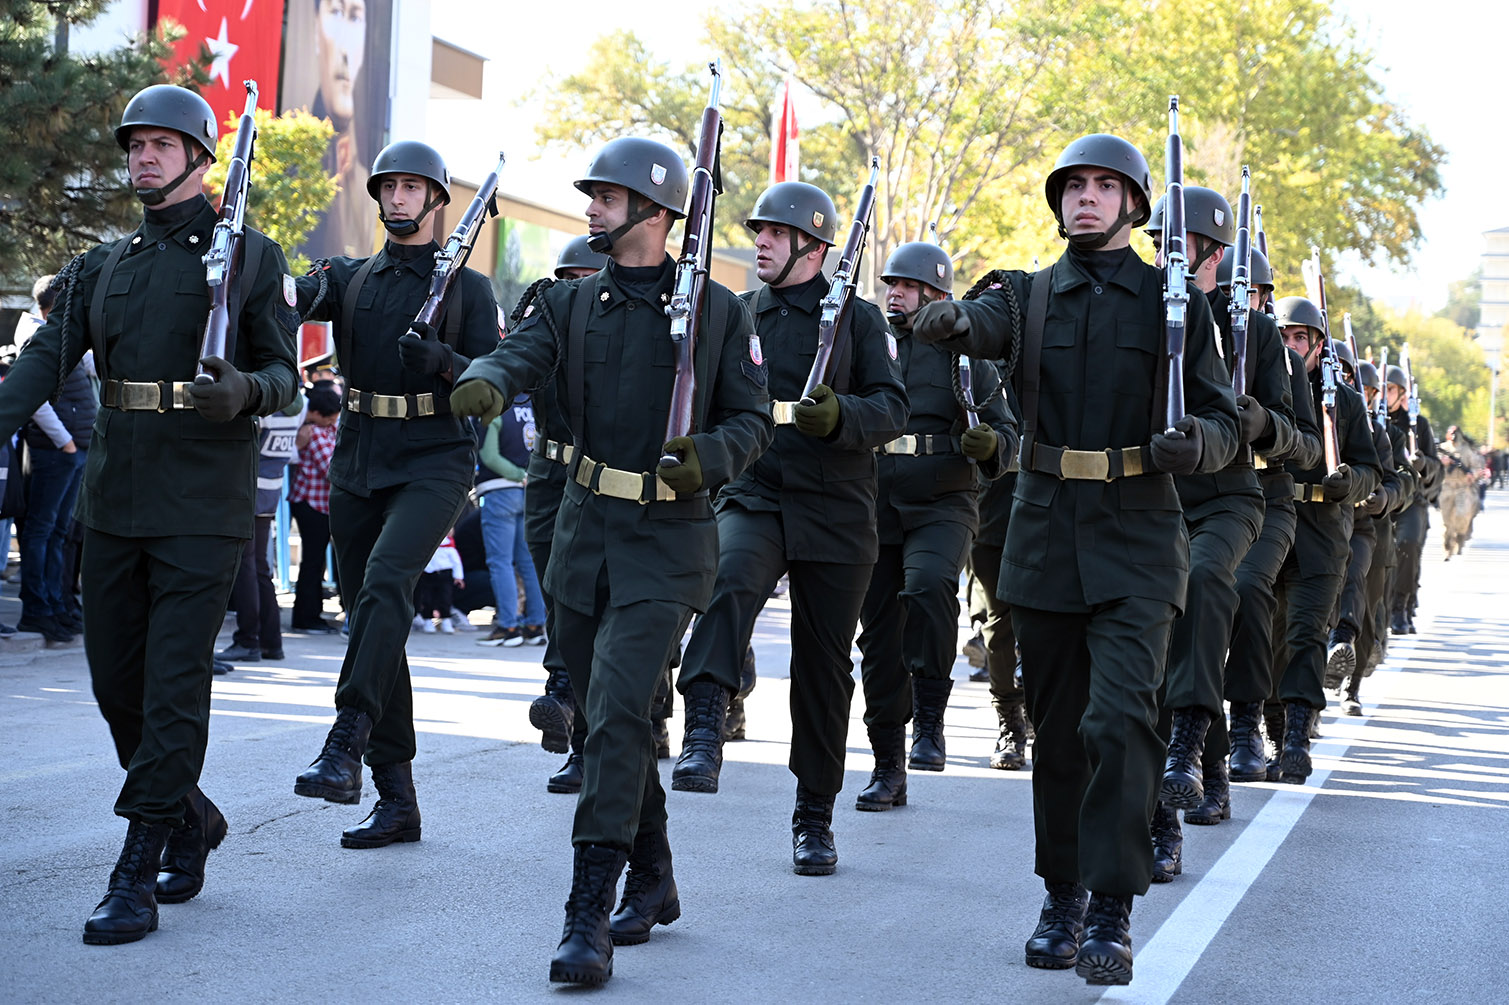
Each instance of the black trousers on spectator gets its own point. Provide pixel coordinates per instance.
(433, 595)
(309, 594)
(254, 597)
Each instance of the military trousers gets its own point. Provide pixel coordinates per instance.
(1000, 639)
(382, 544)
(616, 654)
(1249, 658)
(1352, 606)
(155, 605)
(554, 662)
(1375, 625)
(910, 618)
(1092, 680)
(825, 603)
(1409, 535)
(1305, 603)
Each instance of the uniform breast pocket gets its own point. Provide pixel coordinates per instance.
(215, 460)
(1137, 347)
(595, 347)
(116, 296)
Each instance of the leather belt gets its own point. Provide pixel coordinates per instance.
(1309, 492)
(142, 396)
(918, 444)
(783, 412)
(635, 486)
(395, 406)
(1092, 465)
(555, 450)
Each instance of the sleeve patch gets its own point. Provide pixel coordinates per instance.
(756, 354)
(890, 344)
(290, 291)
(753, 372)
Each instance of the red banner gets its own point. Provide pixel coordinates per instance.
(245, 42)
(785, 150)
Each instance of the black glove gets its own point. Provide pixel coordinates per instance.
(821, 417)
(227, 397)
(979, 442)
(1253, 417)
(1376, 503)
(940, 321)
(686, 477)
(1338, 484)
(423, 355)
(1178, 451)
(479, 398)
(1418, 463)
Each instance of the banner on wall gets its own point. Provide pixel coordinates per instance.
(245, 42)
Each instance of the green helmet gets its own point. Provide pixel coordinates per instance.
(1396, 377)
(1262, 272)
(1101, 150)
(1367, 373)
(577, 255)
(410, 157)
(922, 261)
(647, 167)
(1206, 212)
(169, 107)
(1298, 311)
(798, 205)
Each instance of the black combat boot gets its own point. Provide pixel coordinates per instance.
(1011, 744)
(569, 778)
(813, 852)
(1055, 942)
(1351, 701)
(1168, 843)
(929, 700)
(1247, 761)
(887, 786)
(734, 722)
(1182, 786)
(650, 897)
(701, 758)
(1216, 806)
(1294, 760)
(181, 875)
(1273, 725)
(585, 954)
(129, 910)
(661, 707)
(395, 817)
(1341, 659)
(553, 712)
(1399, 624)
(1105, 952)
(336, 775)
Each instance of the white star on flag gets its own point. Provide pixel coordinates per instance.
(222, 49)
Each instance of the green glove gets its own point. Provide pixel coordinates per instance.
(225, 398)
(821, 417)
(979, 442)
(477, 397)
(686, 477)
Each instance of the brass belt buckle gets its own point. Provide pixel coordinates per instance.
(906, 444)
(389, 406)
(783, 413)
(140, 397)
(583, 474)
(424, 404)
(621, 485)
(1086, 465)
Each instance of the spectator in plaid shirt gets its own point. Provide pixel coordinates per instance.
(309, 502)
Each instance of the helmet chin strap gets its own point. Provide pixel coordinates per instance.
(1094, 242)
(603, 243)
(403, 228)
(796, 254)
(904, 319)
(157, 196)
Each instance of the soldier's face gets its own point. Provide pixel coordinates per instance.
(339, 37)
(1091, 202)
(403, 196)
(903, 296)
(575, 273)
(156, 156)
(608, 209)
(1372, 395)
(772, 250)
(1395, 397)
(1297, 337)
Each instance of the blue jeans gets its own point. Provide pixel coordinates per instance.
(507, 554)
(50, 494)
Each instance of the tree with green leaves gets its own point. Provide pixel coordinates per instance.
(289, 186)
(1463, 301)
(63, 184)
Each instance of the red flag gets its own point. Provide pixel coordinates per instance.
(785, 152)
(245, 41)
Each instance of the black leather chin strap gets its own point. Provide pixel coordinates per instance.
(1094, 242)
(156, 196)
(403, 228)
(796, 253)
(601, 243)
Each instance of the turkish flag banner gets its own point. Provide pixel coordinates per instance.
(785, 145)
(245, 42)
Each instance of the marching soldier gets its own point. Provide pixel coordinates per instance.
(1414, 523)
(928, 507)
(805, 508)
(402, 467)
(635, 546)
(168, 493)
(1311, 577)
(1097, 558)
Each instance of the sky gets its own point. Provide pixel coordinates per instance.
(1443, 63)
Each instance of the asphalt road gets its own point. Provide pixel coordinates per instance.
(1382, 879)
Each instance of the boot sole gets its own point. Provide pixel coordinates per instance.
(694, 783)
(118, 938)
(1295, 767)
(561, 974)
(566, 789)
(1007, 765)
(1048, 962)
(1337, 670)
(1102, 969)
(547, 718)
(920, 766)
(1181, 795)
(325, 792)
(403, 837)
(874, 807)
(1208, 820)
(665, 917)
(814, 870)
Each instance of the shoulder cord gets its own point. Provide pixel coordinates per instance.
(65, 281)
(319, 269)
(547, 317)
(996, 278)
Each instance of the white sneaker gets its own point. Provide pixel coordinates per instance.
(446, 628)
(428, 627)
(418, 624)
(461, 621)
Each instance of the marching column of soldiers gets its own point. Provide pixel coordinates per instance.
(1143, 566)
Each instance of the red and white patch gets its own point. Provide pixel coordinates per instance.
(290, 291)
(657, 174)
(756, 354)
(890, 344)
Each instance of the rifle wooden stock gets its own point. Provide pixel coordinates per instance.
(835, 304)
(222, 263)
(453, 254)
(1176, 269)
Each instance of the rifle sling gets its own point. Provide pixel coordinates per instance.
(97, 307)
(452, 311)
(1032, 358)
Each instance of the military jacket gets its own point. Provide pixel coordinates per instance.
(1392, 482)
(823, 489)
(1428, 485)
(547, 476)
(1327, 527)
(915, 490)
(666, 551)
(151, 473)
(1409, 480)
(378, 453)
(1277, 482)
(1072, 544)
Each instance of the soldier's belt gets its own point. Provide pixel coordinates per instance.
(555, 450)
(394, 406)
(783, 412)
(154, 396)
(1091, 465)
(635, 486)
(919, 444)
(1309, 492)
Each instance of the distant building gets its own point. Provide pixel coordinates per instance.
(1495, 295)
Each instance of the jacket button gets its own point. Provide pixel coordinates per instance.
(783, 312)
(1099, 290)
(161, 246)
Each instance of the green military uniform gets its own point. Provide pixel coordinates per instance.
(168, 496)
(1095, 568)
(1006, 692)
(397, 484)
(928, 511)
(805, 507)
(624, 572)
